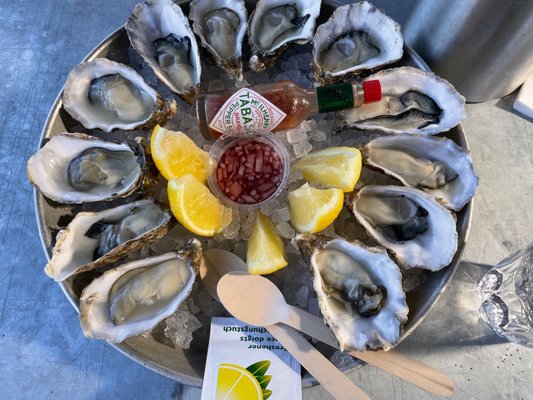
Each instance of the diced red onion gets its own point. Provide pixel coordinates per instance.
(250, 172)
(235, 189)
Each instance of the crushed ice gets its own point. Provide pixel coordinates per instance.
(180, 327)
(314, 134)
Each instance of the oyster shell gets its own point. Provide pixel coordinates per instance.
(435, 165)
(276, 23)
(93, 239)
(359, 291)
(134, 297)
(413, 101)
(78, 168)
(160, 32)
(108, 95)
(408, 222)
(221, 26)
(356, 38)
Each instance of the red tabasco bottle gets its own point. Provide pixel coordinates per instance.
(276, 106)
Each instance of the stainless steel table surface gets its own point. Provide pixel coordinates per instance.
(43, 353)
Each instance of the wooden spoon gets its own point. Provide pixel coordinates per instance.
(257, 301)
(215, 264)
(329, 376)
(218, 262)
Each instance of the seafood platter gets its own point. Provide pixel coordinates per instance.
(124, 221)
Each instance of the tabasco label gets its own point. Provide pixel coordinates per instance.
(246, 110)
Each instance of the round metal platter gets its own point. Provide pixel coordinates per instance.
(188, 366)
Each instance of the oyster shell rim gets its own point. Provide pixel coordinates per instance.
(163, 110)
(311, 244)
(116, 253)
(453, 118)
(458, 151)
(323, 76)
(407, 262)
(233, 65)
(128, 145)
(135, 38)
(190, 253)
(262, 59)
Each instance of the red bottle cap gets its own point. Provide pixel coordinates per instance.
(372, 91)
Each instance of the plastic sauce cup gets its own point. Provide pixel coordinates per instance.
(250, 169)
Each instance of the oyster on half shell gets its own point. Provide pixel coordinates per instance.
(413, 101)
(221, 26)
(108, 95)
(408, 222)
(93, 239)
(356, 38)
(276, 23)
(134, 297)
(76, 168)
(359, 291)
(160, 32)
(435, 165)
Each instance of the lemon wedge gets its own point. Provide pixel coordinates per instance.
(176, 155)
(236, 383)
(314, 209)
(195, 207)
(265, 252)
(334, 167)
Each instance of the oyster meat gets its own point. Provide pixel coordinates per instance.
(160, 32)
(413, 101)
(93, 239)
(408, 222)
(78, 168)
(134, 297)
(359, 291)
(435, 165)
(221, 26)
(276, 23)
(108, 95)
(356, 38)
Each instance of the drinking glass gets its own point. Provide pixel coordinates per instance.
(506, 297)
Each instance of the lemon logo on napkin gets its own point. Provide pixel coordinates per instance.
(237, 383)
(232, 346)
